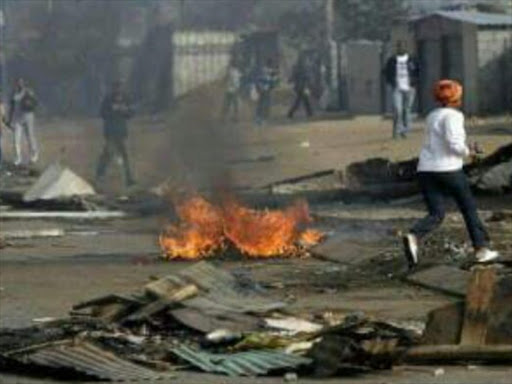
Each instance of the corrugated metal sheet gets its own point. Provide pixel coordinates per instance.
(223, 293)
(478, 18)
(91, 360)
(240, 364)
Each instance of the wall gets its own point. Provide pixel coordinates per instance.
(363, 75)
(441, 47)
(492, 69)
(199, 58)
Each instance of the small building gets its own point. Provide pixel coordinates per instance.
(471, 47)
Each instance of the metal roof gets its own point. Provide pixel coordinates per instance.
(91, 360)
(240, 364)
(473, 17)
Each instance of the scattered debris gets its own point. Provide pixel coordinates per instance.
(86, 358)
(254, 363)
(359, 345)
(484, 318)
(77, 215)
(30, 234)
(58, 182)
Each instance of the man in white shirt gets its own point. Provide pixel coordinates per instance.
(440, 174)
(21, 118)
(401, 73)
(232, 95)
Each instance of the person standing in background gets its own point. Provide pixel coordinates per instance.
(266, 80)
(116, 110)
(21, 117)
(401, 73)
(232, 94)
(301, 79)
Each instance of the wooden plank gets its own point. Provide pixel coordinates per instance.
(184, 293)
(452, 353)
(442, 278)
(478, 300)
(165, 287)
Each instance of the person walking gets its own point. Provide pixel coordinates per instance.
(440, 174)
(232, 94)
(401, 73)
(266, 81)
(21, 117)
(116, 110)
(301, 79)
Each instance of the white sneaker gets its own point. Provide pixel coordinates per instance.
(411, 249)
(484, 255)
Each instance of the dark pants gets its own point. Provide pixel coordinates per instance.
(435, 186)
(263, 107)
(114, 146)
(301, 97)
(230, 102)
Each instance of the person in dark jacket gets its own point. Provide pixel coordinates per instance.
(301, 79)
(116, 110)
(401, 73)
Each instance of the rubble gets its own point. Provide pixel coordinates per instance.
(211, 321)
(383, 179)
(57, 182)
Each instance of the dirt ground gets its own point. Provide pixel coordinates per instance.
(44, 278)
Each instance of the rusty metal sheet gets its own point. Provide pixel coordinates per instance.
(253, 363)
(91, 360)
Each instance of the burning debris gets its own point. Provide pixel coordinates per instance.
(204, 229)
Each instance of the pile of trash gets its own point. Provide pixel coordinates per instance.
(201, 318)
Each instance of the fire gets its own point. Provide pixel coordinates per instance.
(199, 232)
(204, 229)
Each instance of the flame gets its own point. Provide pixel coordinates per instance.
(199, 233)
(204, 229)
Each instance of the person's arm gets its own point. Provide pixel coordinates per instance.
(455, 134)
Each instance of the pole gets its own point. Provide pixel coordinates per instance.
(332, 49)
(3, 46)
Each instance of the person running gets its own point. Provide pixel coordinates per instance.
(440, 174)
(22, 120)
(116, 110)
(401, 73)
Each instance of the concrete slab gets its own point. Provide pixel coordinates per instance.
(443, 278)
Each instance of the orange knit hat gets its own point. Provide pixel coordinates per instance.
(448, 92)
